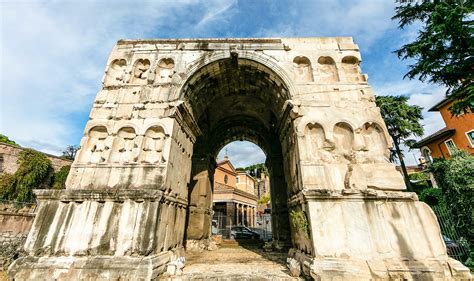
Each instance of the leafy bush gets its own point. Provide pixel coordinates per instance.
(59, 178)
(34, 172)
(455, 176)
(419, 182)
(432, 196)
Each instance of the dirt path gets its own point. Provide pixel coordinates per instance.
(236, 262)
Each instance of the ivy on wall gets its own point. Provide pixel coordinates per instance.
(35, 171)
(59, 178)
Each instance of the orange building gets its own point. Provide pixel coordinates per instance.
(234, 199)
(458, 133)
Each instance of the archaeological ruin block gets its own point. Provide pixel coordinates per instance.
(140, 188)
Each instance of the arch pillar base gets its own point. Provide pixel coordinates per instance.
(384, 235)
(102, 234)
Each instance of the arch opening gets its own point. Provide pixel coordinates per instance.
(241, 198)
(230, 100)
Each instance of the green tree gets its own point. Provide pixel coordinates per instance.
(444, 49)
(255, 169)
(70, 152)
(5, 139)
(403, 121)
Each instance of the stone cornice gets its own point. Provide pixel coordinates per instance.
(308, 195)
(80, 195)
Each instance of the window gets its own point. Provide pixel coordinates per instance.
(1, 163)
(237, 179)
(426, 153)
(470, 137)
(226, 179)
(450, 145)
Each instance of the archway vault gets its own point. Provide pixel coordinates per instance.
(235, 99)
(141, 182)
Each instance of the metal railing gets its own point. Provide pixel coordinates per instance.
(457, 246)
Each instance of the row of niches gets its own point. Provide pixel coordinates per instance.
(326, 70)
(141, 73)
(367, 144)
(124, 147)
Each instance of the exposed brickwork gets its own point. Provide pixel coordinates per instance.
(11, 153)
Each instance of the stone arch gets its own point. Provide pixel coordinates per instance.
(140, 71)
(165, 70)
(257, 58)
(351, 68)
(343, 137)
(153, 145)
(236, 97)
(123, 147)
(116, 71)
(327, 70)
(303, 69)
(94, 146)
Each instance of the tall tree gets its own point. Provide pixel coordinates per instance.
(70, 152)
(444, 49)
(403, 121)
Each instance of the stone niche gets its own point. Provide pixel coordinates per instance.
(303, 69)
(165, 70)
(327, 70)
(140, 72)
(116, 72)
(140, 188)
(350, 66)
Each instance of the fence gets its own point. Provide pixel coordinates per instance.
(225, 226)
(457, 246)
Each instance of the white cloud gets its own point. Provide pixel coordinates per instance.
(53, 53)
(242, 154)
(53, 56)
(365, 20)
(218, 10)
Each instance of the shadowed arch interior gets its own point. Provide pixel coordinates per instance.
(235, 99)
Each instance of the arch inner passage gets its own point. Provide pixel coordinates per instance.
(235, 99)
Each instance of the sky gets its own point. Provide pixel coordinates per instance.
(53, 54)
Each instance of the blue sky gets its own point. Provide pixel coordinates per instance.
(53, 53)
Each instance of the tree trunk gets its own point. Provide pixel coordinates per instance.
(402, 164)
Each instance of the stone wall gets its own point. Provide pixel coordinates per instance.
(11, 153)
(15, 223)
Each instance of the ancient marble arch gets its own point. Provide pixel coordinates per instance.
(140, 189)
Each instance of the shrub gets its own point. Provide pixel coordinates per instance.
(59, 178)
(456, 179)
(433, 197)
(34, 172)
